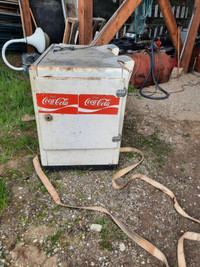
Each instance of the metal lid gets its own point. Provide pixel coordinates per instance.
(81, 56)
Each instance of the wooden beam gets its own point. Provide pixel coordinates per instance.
(116, 22)
(185, 60)
(26, 17)
(170, 22)
(85, 17)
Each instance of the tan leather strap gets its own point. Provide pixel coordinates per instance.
(150, 181)
(180, 248)
(134, 236)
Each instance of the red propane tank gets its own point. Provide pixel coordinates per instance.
(163, 66)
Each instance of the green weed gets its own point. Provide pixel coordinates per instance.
(54, 238)
(110, 232)
(132, 89)
(4, 196)
(41, 187)
(53, 241)
(129, 155)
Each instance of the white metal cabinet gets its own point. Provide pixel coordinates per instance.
(79, 98)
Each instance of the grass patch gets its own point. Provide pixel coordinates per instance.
(53, 242)
(132, 89)
(110, 232)
(41, 187)
(15, 102)
(54, 238)
(4, 196)
(152, 145)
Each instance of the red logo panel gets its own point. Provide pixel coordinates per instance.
(77, 104)
(98, 104)
(57, 103)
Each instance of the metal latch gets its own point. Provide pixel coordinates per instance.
(117, 138)
(121, 93)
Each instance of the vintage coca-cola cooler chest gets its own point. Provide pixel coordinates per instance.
(79, 96)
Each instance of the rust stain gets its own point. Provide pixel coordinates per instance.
(32, 68)
(67, 68)
(46, 116)
(68, 78)
(123, 65)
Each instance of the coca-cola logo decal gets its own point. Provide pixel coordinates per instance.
(57, 103)
(77, 104)
(98, 104)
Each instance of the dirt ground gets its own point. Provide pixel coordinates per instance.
(36, 232)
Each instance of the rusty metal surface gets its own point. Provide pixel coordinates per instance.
(162, 68)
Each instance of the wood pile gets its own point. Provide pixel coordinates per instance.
(10, 24)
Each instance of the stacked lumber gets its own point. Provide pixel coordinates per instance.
(10, 24)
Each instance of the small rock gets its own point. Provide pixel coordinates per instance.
(143, 262)
(35, 241)
(92, 263)
(96, 228)
(122, 247)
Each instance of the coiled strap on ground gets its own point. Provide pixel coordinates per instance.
(133, 235)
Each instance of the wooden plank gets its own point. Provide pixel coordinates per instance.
(85, 16)
(170, 22)
(25, 14)
(67, 32)
(116, 22)
(185, 60)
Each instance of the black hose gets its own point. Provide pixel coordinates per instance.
(151, 71)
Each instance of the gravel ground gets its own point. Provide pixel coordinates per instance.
(36, 232)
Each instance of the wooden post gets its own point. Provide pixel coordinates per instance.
(121, 31)
(85, 17)
(170, 22)
(116, 22)
(178, 53)
(27, 21)
(185, 60)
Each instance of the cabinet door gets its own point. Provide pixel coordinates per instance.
(75, 113)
